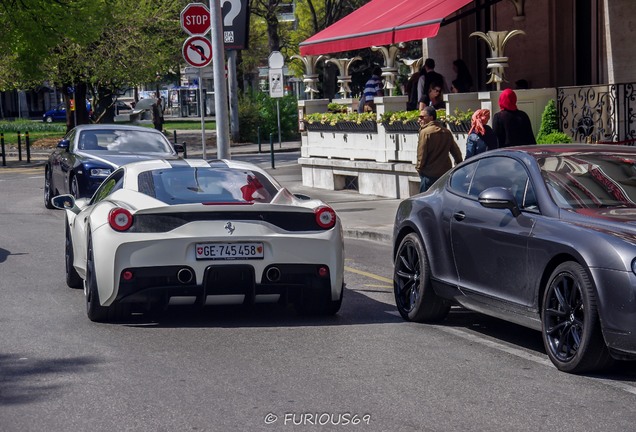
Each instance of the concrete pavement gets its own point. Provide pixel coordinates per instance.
(362, 216)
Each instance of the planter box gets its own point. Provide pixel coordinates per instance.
(463, 127)
(343, 126)
(408, 127)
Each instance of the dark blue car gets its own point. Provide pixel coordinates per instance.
(90, 153)
(59, 113)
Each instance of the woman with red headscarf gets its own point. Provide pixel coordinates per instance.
(480, 137)
(511, 125)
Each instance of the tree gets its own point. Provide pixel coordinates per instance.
(96, 47)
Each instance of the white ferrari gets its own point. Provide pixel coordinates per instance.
(164, 232)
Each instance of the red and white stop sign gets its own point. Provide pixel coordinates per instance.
(195, 19)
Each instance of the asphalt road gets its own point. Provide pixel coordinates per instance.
(226, 369)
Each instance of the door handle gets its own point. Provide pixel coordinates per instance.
(459, 216)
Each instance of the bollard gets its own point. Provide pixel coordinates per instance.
(4, 156)
(271, 148)
(28, 147)
(19, 147)
(174, 136)
(185, 149)
(258, 138)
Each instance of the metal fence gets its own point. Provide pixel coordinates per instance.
(599, 113)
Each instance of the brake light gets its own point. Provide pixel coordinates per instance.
(120, 219)
(325, 217)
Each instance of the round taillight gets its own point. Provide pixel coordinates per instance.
(325, 217)
(127, 275)
(120, 219)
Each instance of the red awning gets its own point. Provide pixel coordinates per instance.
(382, 22)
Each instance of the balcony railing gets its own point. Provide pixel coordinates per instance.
(599, 113)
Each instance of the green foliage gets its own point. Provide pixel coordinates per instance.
(549, 122)
(391, 117)
(458, 117)
(549, 131)
(31, 126)
(554, 138)
(333, 118)
(336, 107)
(257, 109)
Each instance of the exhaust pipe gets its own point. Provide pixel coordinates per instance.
(185, 275)
(272, 274)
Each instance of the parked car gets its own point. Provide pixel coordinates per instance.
(542, 236)
(90, 153)
(59, 113)
(188, 231)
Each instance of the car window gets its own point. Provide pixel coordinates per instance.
(71, 138)
(124, 141)
(462, 177)
(110, 185)
(183, 185)
(590, 179)
(507, 173)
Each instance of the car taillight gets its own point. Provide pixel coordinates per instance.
(120, 219)
(325, 217)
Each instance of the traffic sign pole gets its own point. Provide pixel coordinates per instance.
(220, 85)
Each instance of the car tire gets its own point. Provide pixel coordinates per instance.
(47, 189)
(414, 295)
(73, 280)
(49, 119)
(74, 189)
(94, 310)
(570, 324)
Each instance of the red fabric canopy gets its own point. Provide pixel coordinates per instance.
(382, 22)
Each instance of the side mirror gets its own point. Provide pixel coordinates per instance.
(499, 198)
(65, 202)
(63, 144)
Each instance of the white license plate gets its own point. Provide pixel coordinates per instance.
(229, 251)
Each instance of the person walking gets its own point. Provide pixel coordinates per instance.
(157, 114)
(373, 88)
(481, 137)
(511, 125)
(434, 145)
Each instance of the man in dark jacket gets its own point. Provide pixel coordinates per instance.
(511, 125)
(434, 145)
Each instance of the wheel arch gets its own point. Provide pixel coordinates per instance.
(556, 261)
(404, 231)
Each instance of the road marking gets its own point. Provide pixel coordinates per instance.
(369, 275)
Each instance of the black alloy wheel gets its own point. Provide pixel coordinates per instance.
(47, 189)
(414, 295)
(73, 280)
(570, 324)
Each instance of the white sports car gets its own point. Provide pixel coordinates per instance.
(199, 232)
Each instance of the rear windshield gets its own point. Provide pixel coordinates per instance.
(186, 185)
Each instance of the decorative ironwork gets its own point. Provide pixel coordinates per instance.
(601, 113)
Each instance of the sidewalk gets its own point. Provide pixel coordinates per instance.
(363, 216)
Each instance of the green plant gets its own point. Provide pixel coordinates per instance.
(399, 116)
(258, 109)
(554, 138)
(549, 131)
(333, 118)
(458, 117)
(336, 107)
